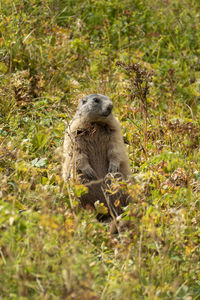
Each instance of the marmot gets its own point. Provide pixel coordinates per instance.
(94, 147)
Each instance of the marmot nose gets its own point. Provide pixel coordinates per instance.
(109, 108)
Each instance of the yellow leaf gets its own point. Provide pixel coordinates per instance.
(100, 208)
(80, 189)
(117, 202)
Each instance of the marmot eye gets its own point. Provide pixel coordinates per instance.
(96, 100)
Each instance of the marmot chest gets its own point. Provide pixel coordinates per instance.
(94, 142)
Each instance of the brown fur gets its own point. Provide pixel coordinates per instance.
(93, 147)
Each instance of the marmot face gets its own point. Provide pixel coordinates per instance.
(95, 107)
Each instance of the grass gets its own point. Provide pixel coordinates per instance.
(52, 53)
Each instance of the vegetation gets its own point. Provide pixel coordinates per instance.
(145, 55)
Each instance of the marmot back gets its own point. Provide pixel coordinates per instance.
(94, 147)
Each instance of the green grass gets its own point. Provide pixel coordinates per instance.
(51, 53)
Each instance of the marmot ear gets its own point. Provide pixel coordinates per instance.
(83, 100)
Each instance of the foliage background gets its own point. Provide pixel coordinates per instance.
(53, 52)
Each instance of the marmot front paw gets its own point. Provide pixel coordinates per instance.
(89, 173)
(113, 168)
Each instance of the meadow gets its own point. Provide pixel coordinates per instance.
(145, 56)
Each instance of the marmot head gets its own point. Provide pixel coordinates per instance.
(95, 107)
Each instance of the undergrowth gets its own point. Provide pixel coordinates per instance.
(145, 56)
